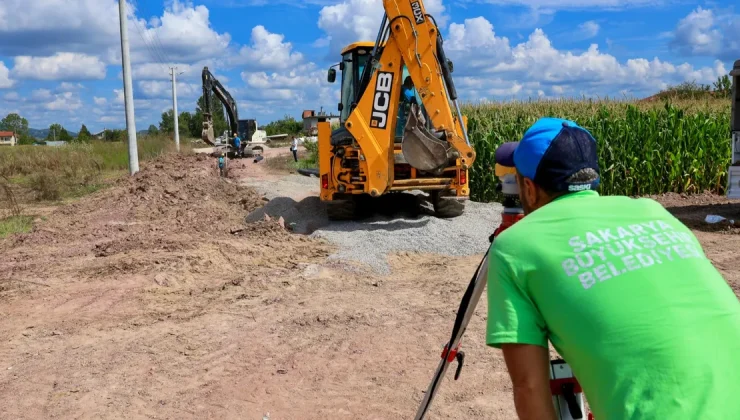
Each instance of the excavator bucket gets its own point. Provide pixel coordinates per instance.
(422, 149)
(207, 134)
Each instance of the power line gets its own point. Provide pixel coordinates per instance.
(156, 41)
(155, 55)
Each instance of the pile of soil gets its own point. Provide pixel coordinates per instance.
(174, 206)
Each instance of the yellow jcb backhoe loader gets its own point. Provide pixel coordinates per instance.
(389, 141)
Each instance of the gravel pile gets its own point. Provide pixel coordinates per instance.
(302, 217)
(288, 186)
(369, 241)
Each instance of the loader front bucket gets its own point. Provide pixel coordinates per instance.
(420, 147)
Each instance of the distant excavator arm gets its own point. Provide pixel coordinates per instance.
(211, 84)
(410, 37)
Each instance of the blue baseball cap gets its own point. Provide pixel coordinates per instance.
(550, 151)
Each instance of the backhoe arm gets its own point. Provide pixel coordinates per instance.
(413, 40)
(211, 84)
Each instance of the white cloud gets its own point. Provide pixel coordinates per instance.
(489, 65)
(159, 89)
(588, 29)
(303, 86)
(359, 20)
(12, 97)
(267, 52)
(183, 33)
(40, 95)
(67, 101)
(69, 87)
(100, 101)
(5, 81)
(704, 33)
(44, 27)
(573, 4)
(62, 65)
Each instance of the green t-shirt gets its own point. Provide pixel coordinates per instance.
(625, 293)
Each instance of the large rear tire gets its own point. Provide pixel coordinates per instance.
(341, 209)
(446, 207)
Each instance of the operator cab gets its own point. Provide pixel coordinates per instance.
(354, 59)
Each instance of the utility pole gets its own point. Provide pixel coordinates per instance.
(174, 106)
(133, 151)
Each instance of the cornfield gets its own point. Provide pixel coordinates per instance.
(644, 148)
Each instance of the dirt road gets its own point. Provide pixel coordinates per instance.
(154, 300)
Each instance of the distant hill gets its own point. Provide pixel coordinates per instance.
(42, 133)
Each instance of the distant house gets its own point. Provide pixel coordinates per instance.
(311, 120)
(7, 138)
(55, 143)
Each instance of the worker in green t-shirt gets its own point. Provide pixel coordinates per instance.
(620, 287)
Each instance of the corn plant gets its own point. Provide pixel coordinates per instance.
(644, 148)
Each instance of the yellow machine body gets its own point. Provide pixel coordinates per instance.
(373, 152)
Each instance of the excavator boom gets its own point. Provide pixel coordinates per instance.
(408, 37)
(211, 84)
(401, 126)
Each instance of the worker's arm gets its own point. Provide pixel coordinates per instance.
(528, 367)
(516, 326)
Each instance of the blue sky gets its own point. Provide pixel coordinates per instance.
(60, 59)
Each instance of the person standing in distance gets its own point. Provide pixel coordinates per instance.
(294, 148)
(238, 144)
(620, 287)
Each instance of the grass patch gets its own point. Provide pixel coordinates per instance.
(76, 169)
(282, 163)
(311, 159)
(307, 158)
(15, 224)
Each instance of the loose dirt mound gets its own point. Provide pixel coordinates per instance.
(692, 210)
(175, 214)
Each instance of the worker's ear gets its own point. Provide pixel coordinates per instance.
(529, 192)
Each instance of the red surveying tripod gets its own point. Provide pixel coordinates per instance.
(565, 389)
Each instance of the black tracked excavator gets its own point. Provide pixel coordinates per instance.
(245, 128)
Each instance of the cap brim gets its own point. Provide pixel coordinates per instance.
(504, 154)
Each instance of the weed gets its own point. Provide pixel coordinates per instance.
(15, 224)
(53, 173)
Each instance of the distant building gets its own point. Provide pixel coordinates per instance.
(311, 120)
(55, 143)
(7, 138)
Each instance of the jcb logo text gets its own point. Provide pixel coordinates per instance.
(381, 100)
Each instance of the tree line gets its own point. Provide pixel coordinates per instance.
(190, 124)
(19, 125)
